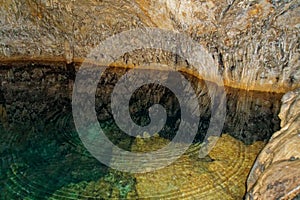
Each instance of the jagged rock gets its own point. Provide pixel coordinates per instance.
(254, 43)
(276, 172)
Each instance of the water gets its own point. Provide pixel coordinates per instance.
(43, 157)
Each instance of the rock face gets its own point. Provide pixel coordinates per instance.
(276, 172)
(255, 44)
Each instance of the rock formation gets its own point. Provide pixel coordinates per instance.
(255, 44)
(276, 172)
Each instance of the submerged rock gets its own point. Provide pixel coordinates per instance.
(222, 175)
(115, 185)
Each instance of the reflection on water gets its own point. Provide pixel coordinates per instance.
(43, 157)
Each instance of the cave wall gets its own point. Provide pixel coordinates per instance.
(276, 171)
(255, 43)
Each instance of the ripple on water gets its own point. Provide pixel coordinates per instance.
(42, 156)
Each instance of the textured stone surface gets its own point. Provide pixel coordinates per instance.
(276, 172)
(221, 175)
(251, 116)
(254, 43)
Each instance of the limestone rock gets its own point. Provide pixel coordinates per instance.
(255, 44)
(276, 172)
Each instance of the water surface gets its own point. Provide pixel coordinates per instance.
(42, 153)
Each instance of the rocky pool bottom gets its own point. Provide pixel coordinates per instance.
(42, 156)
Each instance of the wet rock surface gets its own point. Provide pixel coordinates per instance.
(276, 172)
